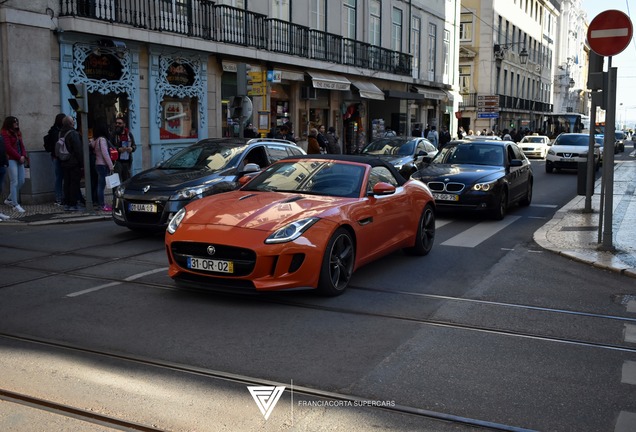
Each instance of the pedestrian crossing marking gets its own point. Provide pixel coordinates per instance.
(544, 205)
(630, 333)
(626, 422)
(631, 306)
(628, 375)
(479, 233)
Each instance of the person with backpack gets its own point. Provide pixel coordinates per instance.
(70, 152)
(18, 159)
(124, 142)
(49, 145)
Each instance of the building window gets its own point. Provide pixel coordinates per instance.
(446, 54)
(374, 23)
(317, 15)
(432, 42)
(349, 17)
(466, 27)
(415, 45)
(464, 79)
(396, 30)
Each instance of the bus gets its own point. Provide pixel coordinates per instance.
(557, 123)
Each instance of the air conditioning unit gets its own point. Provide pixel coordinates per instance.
(308, 92)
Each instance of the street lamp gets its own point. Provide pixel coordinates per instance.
(523, 56)
(500, 50)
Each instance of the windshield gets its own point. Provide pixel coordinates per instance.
(471, 154)
(390, 147)
(572, 140)
(207, 156)
(312, 177)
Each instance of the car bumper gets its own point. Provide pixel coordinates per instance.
(471, 200)
(147, 214)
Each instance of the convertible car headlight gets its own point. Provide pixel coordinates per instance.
(291, 232)
(176, 221)
(484, 187)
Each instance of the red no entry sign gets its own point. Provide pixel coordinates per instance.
(609, 33)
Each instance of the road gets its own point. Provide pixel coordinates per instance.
(487, 331)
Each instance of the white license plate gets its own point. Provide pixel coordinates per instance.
(446, 197)
(147, 208)
(210, 265)
(567, 159)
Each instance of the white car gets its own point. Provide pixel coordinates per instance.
(568, 150)
(535, 145)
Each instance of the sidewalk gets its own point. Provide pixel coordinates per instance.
(571, 232)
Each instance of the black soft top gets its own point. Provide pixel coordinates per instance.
(368, 160)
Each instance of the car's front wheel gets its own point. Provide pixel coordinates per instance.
(548, 167)
(502, 207)
(425, 235)
(337, 263)
(526, 200)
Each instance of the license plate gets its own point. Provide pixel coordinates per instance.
(446, 197)
(210, 265)
(567, 159)
(147, 208)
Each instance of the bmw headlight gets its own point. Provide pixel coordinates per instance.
(292, 231)
(484, 187)
(176, 221)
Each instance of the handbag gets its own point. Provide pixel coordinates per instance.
(112, 181)
(114, 154)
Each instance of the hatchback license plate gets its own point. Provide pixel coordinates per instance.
(147, 208)
(210, 265)
(446, 197)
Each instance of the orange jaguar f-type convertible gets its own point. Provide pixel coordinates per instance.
(306, 222)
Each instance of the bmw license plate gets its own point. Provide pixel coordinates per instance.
(210, 265)
(446, 197)
(147, 208)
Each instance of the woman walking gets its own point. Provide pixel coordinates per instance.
(103, 164)
(18, 158)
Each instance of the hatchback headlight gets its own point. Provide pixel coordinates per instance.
(551, 152)
(291, 231)
(484, 187)
(176, 221)
(119, 192)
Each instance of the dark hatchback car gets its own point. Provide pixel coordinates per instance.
(479, 175)
(404, 153)
(148, 200)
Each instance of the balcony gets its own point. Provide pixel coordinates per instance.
(205, 20)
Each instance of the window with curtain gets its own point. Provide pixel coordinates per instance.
(432, 51)
(374, 22)
(349, 17)
(317, 15)
(446, 54)
(466, 27)
(464, 79)
(416, 25)
(396, 29)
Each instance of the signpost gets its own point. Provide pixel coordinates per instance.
(487, 106)
(609, 33)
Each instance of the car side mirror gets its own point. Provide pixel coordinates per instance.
(516, 163)
(251, 168)
(383, 188)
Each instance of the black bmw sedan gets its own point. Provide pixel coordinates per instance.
(479, 175)
(148, 200)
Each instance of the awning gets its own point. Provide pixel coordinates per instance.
(431, 93)
(368, 90)
(329, 81)
(454, 95)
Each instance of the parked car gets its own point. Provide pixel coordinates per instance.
(568, 150)
(620, 138)
(148, 200)
(304, 222)
(404, 153)
(487, 175)
(535, 145)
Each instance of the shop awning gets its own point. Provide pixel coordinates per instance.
(329, 81)
(454, 95)
(431, 93)
(368, 90)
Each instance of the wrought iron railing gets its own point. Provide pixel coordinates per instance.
(468, 100)
(206, 20)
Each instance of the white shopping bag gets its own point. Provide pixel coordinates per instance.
(112, 181)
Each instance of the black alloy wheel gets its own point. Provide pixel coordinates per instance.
(425, 236)
(500, 211)
(337, 264)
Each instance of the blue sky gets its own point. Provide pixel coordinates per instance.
(625, 62)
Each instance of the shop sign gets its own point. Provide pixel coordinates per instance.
(103, 67)
(274, 76)
(180, 74)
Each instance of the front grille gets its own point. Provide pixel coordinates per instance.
(244, 259)
(568, 155)
(446, 187)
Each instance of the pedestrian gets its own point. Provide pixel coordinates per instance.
(389, 133)
(322, 139)
(124, 142)
(284, 132)
(333, 145)
(312, 142)
(18, 160)
(417, 131)
(49, 145)
(103, 164)
(444, 137)
(250, 132)
(72, 168)
(4, 162)
(433, 136)
(460, 133)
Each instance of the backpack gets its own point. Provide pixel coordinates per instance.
(61, 150)
(49, 143)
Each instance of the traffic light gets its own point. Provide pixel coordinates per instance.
(243, 79)
(235, 106)
(79, 99)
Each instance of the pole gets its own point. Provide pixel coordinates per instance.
(608, 157)
(589, 187)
